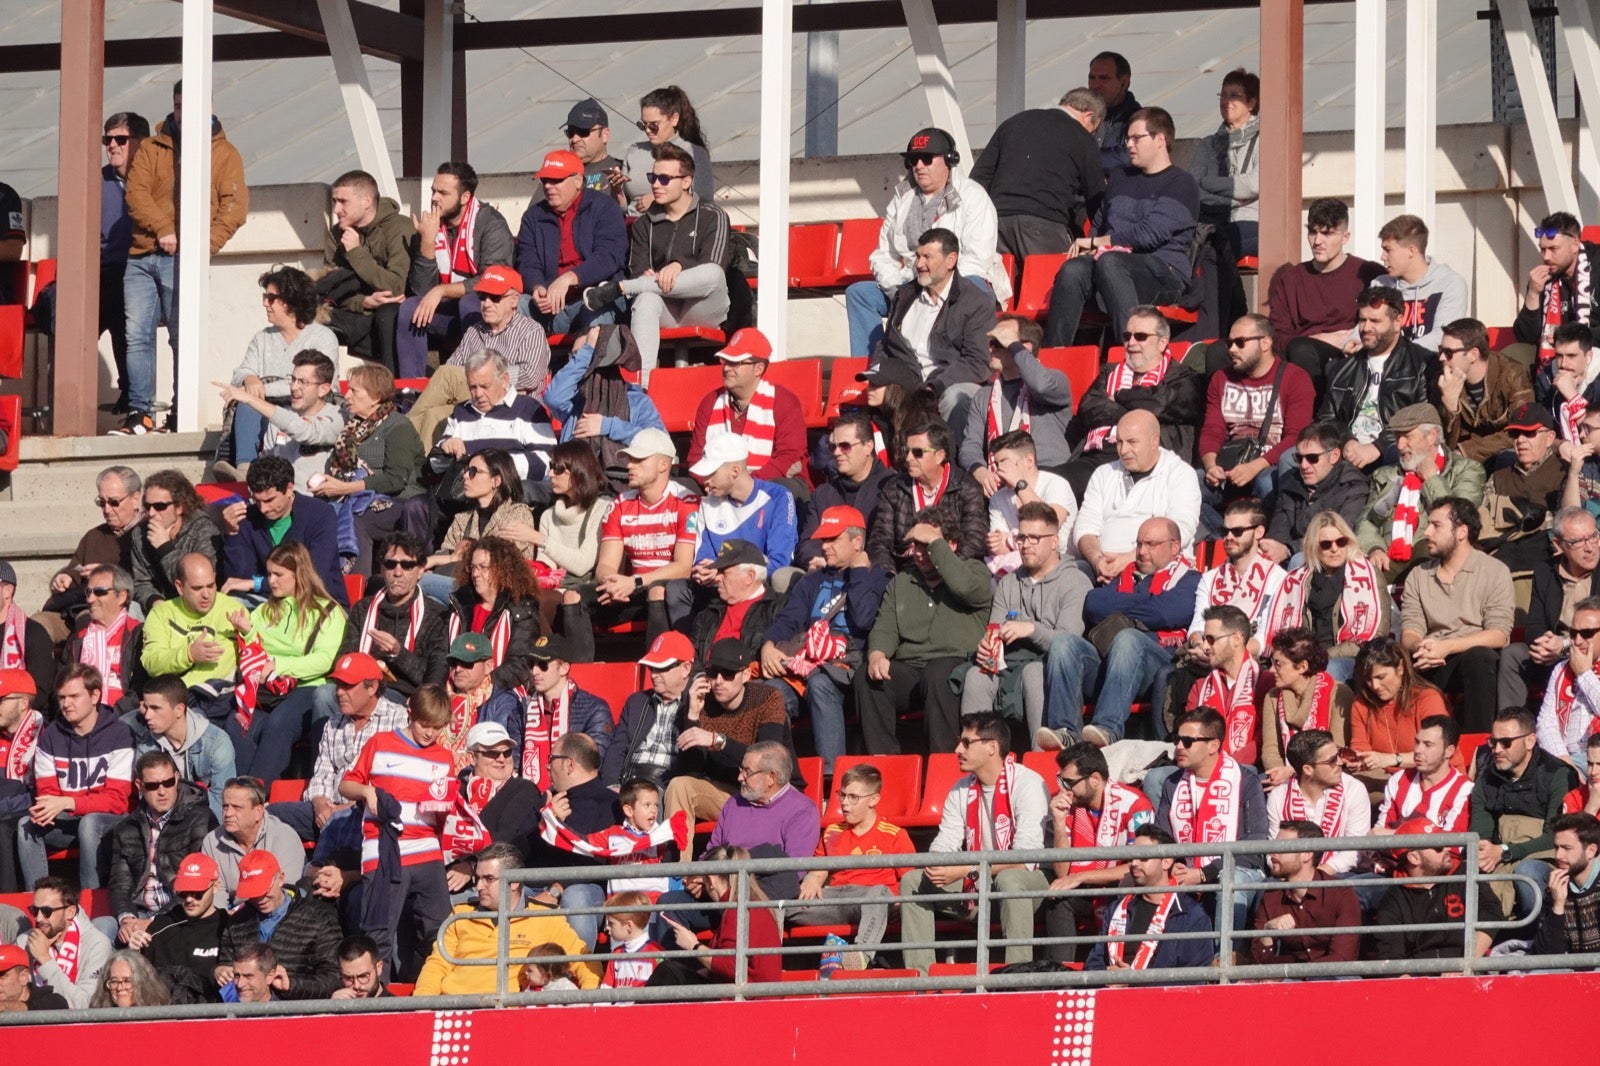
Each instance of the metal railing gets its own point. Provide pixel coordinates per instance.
(983, 898)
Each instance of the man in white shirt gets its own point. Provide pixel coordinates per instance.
(1322, 793)
(1146, 481)
(1014, 462)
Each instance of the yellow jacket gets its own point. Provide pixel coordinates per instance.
(476, 939)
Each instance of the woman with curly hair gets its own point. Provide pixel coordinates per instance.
(1303, 696)
(496, 595)
(130, 981)
(175, 524)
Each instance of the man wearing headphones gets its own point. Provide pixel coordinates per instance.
(933, 195)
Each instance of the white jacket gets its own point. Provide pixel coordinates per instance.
(968, 213)
(1114, 505)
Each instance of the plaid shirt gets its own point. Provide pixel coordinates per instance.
(342, 743)
(661, 741)
(154, 896)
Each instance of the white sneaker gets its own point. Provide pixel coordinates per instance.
(1096, 736)
(1046, 739)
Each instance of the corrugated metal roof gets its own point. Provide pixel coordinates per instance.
(287, 119)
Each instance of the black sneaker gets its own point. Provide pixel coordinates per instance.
(171, 423)
(599, 297)
(137, 424)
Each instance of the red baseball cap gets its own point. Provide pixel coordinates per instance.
(559, 164)
(256, 871)
(835, 520)
(355, 667)
(17, 683)
(11, 957)
(747, 344)
(196, 873)
(669, 649)
(497, 281)
(1416, 825)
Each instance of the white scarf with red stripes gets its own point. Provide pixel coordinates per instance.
(17, 750)
(455, 261)
(1118, 805)
(1359, 609)
(758, 425)
(1208, 812)
(1297, 809)
(1123, 377)
(1237, 702)
(616, 842)
(1118, 926)
(1566, 694)
(1319, 708)
(464, 832)
(545, 721)
(102, 649)
(921, 498)
(67, 952)
(1582, 296)
(413, 627)
(12, 653)
(1001, 817)
(256, 672)
(1021, 413)
(499, 634)
(1408, 511)
(1246, 592)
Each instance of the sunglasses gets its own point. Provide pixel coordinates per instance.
(401, 564)
(106, 501)
(157, 786)
(1308, 457)
(191, 895)
(1135, 335)
(1505, 742)
(1375, 302)
(579, 131)
(913, 158)
(1189, 742)
(43, 912)
(559, 468)
(662, 179)
(496, 297)
(1240, 342)
(474, 471)
(100, 590)
(1520, 434)
(724, 675)
(158, 507)
(1584, 632)
(496, 753)
(1236, 531)
(1543, 233)
(1450, 353)
(118, 139)
(649, 127)
(1336, 542)
(841, 445)
(918, 453)
(271, 298)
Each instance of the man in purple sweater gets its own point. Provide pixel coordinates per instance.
(769, 816)
(1140, 251)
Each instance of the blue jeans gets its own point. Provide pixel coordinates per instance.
(449, 320)
(1071, 667)
(1137, 664)
(90, 832)
(149, 297)
(572, 319)
(1213, 499)
(248, 425)
(584, 894)
(1342, 667)
(1122, 280)
(824, 701)
(266, 749)
(866, 305)
(1529, 899)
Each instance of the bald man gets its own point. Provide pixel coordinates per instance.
(1146, 480)
(190, 635)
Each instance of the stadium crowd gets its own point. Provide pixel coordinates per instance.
(1335, 573)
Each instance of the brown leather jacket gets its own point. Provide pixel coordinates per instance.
(152, 190)
(1480, 434)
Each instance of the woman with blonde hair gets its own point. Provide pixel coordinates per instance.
(1336, 593)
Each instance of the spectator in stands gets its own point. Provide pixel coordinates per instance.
(646, 738)
(24, 643)
(588, 133)
(596, 403)
(66, 954)
(17, 990)
(109, 639)
(767, 416)
(12, 238)
(997, 805)
(1227, 164)
(1148, 480)
(20, 726)
(1304, 903)
(816, 642)
(762, 933)
(475, 938)
(248, 828)
(855, 481)
(254, 972)
(1034, 605)
(1139, 251)
(403, 630)
(896, 399)
(1043, 172)
(856, 897)
(1147, 912)
(201, 751)
(768, 816)
(366, 258)
(495, 417)
(1014, 466)
(83, 780)
(458, 238)
(1109, 77)
(1232, 686)
(190, 636)
(287, 646)
(1393, 528)
(302, 931)
(149, 845)
(1148, 379)
(119, 497)
(678, 257)
(123, 132)
(1320, 480)
(1458, 612)
(1381, 374)
(1246, 579)
(1432, 788)
(498, 597)
(556, 707)
(1559, 582)
(1336, 593)
(266, 376)
(737, 506)
(150, 279)
(1559, 290)
(1568, 920)
(494, 495)
(504, 329)
(929, 479)
(933, 614)
(1392, 701)
(555, 271)
(1255, 411)
(1310, 303)
(743, 607)
(1477, 391)
(1442, 906)
(1090, 810)
(1583, 471)
(361, 970)
(185, 936)
(1156, 591)
(304, 431)
(585, 804)
(1566, 382)
(1431, 293)
(567, 540)
(175, 526)
(277, 515)
(1023, 396)
(402, 782)
(666, 117)
(493, 803)
(1320, 792)
(1572, 698)
(130, 981)
(933, 195)
(1518, 795)
(1304, 695)
(1522, 496)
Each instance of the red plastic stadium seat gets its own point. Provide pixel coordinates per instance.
(703, 335)
(810, 767)
(1467, 749)
(1174, 313)
(221, 490)
(94, 902)
(1080, 363)
(398, 989)
(803, 377)
(1591, 234)
(1043, 763)
(12, 319)
(858, 239)
(799, 975)
(813, 251)
(943, 772)
(843, 388)
(677, 391)
(1038, 276)
(902, 785)
(612, 682)
(286, 790)
(1248, 264)
(1008, 263)
(1500, 337)
(355, 586)
(11, 427)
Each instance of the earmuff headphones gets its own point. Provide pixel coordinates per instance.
(921, 143)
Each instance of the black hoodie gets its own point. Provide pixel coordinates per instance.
(189, 943)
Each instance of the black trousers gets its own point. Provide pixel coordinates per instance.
(1025, 235)
(369, 336)
(1475, 674)
(879, 703)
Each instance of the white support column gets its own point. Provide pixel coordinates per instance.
(194, 208)
(1370, 124)
(1579, 22)
(351, 69)
(1010, 59)
(438, 97)
(1422, 85)
(937, 82)
(777, 93)
(1538, 108)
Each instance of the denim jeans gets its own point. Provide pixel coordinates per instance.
(149, 296)
(572, 319)
(1213, 499)
(824, 701)
(91, 834)
(1137, 664)
(1122, 280)
(248, 425)
(865, 306)
(1071, 667)
(1529, 899)
(266, 749)
(584, 894)
(449, 320)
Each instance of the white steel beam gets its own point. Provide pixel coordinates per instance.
(1010, 59)
(1538, 107)
(438, 96)
(937, 82)
(1579, 22)
(1370, 124)
(351, 69)
(1422, 85)
(194, 208)
(777, 92)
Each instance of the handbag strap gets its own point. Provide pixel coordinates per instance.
(1272, 404)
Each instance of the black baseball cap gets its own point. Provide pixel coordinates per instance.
(887, 370)
(727, 654)
(735, 552)
(587, 114)
(551, 646)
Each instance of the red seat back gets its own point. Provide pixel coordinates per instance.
(810, 767)
(858, 239)
(943, 772)
(12, 329)
(286, 790)
(612, 682)
(1038, 277)
(812, 251)
(11, 428)
(1043, 763)
(1080, 363)
(902, 785)
(803, 377)
(677, 391)
(843, 387)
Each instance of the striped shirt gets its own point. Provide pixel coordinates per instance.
(521, 341)
(422, 780)
(518, 425)
(342, 741)
(651, 531)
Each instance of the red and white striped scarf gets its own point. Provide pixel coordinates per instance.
(758, 425)
(1317, 714)
(499, 634)
(256, 673)
(1237, 702)
(920, 496)
(1208, 813)
(618, 842)
(545, 721)
(1566, 694)
(1297, 809)
(1583, 297)
(413, 627)
(463, 716)
(456, 260)
(1408, 511)
(1118, 926)
(1569, 413)
(12, 654)
(66, 953)
(1163, 579)
(17, 750)
(1001, 818)
(1123, 378)
(1245, 593)
(1359, 609)
(102, 649)
(1021, 413)
(1118, 805)
(463, 832)
(1407, 796)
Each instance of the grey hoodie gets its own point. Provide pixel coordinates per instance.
(1431, 304)
(206, 757)
(1054, 603)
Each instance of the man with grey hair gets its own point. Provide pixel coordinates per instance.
(1559, 583)
(743, 607)
(24, 644)
(119, 494)
(109, 640)
(1391, 530)
(769, 816)
(1042, 169)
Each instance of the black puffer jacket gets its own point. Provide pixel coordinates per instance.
(1408, 376)
(306, 943)
(1178, 402)
(886, 539)
(513, 670)
(183, 834)
(1344, 491)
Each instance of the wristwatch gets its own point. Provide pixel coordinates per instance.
(1020, 486)
(638, 583)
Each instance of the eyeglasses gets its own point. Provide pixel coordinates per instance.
(1135, 335)
(118, 139)
(100, 590)
(103, 501)
(157, 786)
(723, 675)
(743, 772)
(157, 506)
(119, 982)
(1225, 95)
(1033, 538)
(1240, 342)
(557, 758)
(1209, 638)
(1309, 457)
(480, 568)
(579, 131)
(271, 298)
(43, 912)
(1189, 742)
(501, 753)
(1581, 542)
(918, 453)
(1332, 760)
(1336, 542)
(1505, 742)
(191, 895)
(913, 158)
(1236, 531)
(1586, 632)
(1543, 233)
(662, 179)
(401, 564)
(841, 445)
(559, 468)
(1135, 138)
(855, 797)
(967, 742)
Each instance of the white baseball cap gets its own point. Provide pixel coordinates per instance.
(720, 450)
(487, 735)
